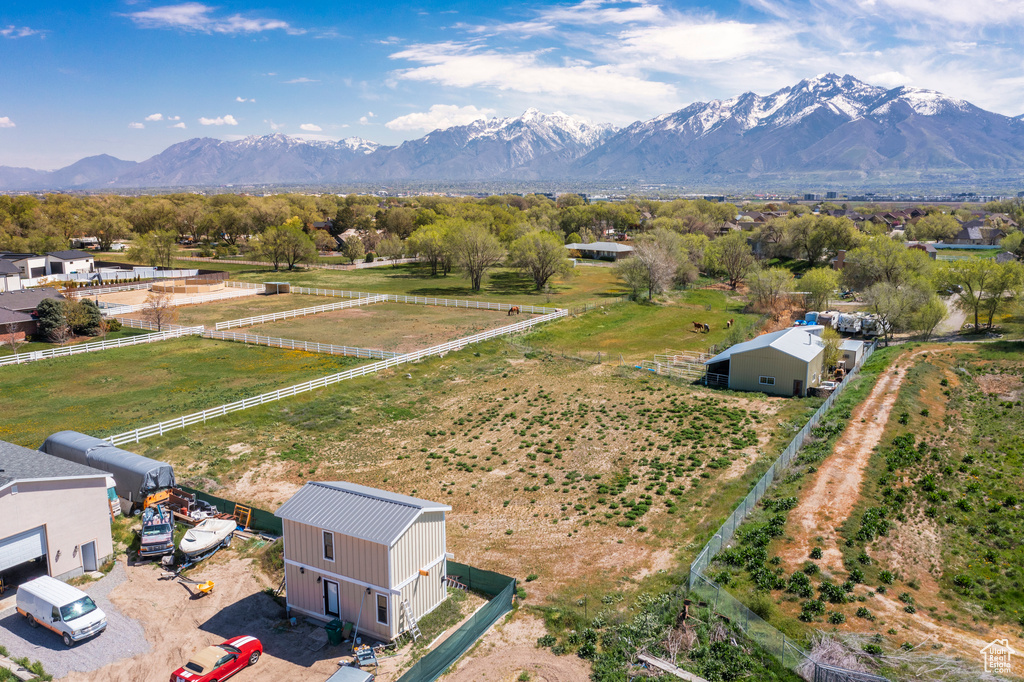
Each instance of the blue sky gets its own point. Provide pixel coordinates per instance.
(130, 78)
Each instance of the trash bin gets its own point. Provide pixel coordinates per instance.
(334, 632)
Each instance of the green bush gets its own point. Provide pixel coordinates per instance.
(836, 618)
(763, 605)
(816, 553)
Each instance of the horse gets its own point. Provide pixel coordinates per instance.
(514, 310)
(697, 326)
(707, 328)
(728, 325)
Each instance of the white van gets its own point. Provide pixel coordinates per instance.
(57, 606)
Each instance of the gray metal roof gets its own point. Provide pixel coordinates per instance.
(356, 510)
(851, 344)
(601, 246)
(19, 463)
(72, 254)
(800, 342)
(27, 299)
(9, 268)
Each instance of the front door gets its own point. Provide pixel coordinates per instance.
(798, 387)
(331, 605)
(89, 556)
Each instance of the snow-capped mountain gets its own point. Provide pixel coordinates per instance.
(829, 127)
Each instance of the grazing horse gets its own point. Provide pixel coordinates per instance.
(707, 328)
(728, 325)
(514, 310)
(697, 326)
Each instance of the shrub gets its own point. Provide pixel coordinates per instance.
(810, 609)
(886, 577)
(906, 598)
(546, 641)
(962, 580)
(872, 649)
(530, 578)
(763, 605)
(816, 553)
(863, 612)
(856, 575)
(810, 568)
(836, 618)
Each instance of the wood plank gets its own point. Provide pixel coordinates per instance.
(667, 667)
(20, 672)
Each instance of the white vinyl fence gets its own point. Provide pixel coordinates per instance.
(377, 263)
(301, 312)
(86, 293)
(292, 344)
(115, 309)
(146, 324)
(77, 349)
(423, 300)
(136, 435)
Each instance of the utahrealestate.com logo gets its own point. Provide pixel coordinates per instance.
(998, 657)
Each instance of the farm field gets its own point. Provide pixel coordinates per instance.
(910, 531)
(623, 469)
(638, 331)
(115, 390)
(400, 327)
(209, 314)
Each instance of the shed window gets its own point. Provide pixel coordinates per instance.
(328, 546)
(766, 381)
(382, 609)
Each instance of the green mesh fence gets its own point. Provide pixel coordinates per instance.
(261, 519)
(434, 664)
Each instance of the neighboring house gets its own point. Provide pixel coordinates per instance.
(69, 262)
(786, 362)
(10, 276)
(602, 250)
(30, 265)
(921, 246)
(839, 262)
(56, 516)
(851, 352)
(1005, 257)
(18, 308)
(361, 554)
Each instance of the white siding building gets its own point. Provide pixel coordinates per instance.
(361, 554)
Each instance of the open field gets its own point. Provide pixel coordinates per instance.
(42, 345)
(623, 469)
(209, 314)
(638, 330)
(115, 390)
(401, 327)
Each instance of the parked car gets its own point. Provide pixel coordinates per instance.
(59, 607)
(219, 662)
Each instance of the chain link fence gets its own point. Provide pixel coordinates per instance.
(721, 602)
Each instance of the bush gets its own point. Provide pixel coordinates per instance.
(836, 618)
(810, 609)
(546, 641)
(369, 257)
(872, 649)
(530, 578)
(863, 612)
(886, 577)
(816, 553)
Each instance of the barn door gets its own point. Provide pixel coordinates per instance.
(798, 387)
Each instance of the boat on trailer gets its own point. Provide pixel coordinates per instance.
(207, 535)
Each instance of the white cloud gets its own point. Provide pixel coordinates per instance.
(275, 126)
(364, 120)
(6, 122)
(219, 121)
(303, 79)
(179, 125)
(311, 127)
(595, 12)
(155, 117)
(888, 79)
(136, 125)
(689, 41)
(958, 14)
(195, 16)
(174, 118)
(439, 117)
(13, 31)
(243, 100)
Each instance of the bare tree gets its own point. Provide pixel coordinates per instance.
(659, 262)
(160, 309)
(10, 340)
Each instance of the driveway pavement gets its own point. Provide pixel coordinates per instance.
(123, 637)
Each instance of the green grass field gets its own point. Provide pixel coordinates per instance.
(400, 327)
(639, 330)
(42, 345)
(116, 390)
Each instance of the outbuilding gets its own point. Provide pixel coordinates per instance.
(363, 555)
(55, 513)
(786, 362)
(602, 250)
(851, 351)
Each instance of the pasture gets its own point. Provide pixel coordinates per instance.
(401, 327)
(623, 469)
(209, 314)
(115, 390)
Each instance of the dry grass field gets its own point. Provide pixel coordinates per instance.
(209, 314)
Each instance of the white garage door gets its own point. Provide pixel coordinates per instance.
(22, 547)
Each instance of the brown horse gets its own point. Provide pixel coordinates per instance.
(728, 325)
(697, 326)
(514, 310)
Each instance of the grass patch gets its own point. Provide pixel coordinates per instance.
(42, 345)
(446, 615)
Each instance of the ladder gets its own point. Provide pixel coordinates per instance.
(414, 627)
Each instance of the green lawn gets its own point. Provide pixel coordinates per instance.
(638, 330)
(42, 345)
(116, 390)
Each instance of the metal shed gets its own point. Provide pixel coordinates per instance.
(786, 362)
(135, 476)
(364, 555)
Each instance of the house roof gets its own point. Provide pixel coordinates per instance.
(16, 316)
(601, 246)
(15, 257)
(799, 342)
(73, 254)
(19, 463)
(356, 510)
(851, 344)
(27, 299)
(9, 268)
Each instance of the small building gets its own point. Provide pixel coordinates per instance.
(786, 362)
(363, 555)
(10, 276)
(1005, 257)
(56, 516)
(851, 352)
(928, 249)
(602, 250)
(30, 265)
(69, 262)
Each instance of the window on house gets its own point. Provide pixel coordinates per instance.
(328, 546)
(766, 381)
(382, 609)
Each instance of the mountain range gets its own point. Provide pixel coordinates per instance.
(831, 129)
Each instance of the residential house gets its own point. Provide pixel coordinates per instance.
(602, 250)
(18, 308)
(10, 276)
(786, 362)
(56, 516)
(69, 262)
(363, 555)
(929, 249)
(30, 265)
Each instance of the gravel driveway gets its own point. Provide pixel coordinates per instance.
(123, 637)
